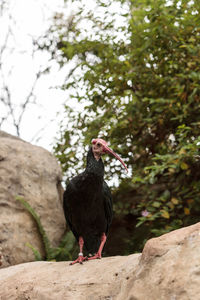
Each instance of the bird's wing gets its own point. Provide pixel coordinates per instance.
(69, 192)
(107, 204)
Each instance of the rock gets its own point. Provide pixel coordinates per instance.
(31, 172)
(99, 279)
(1, 258)
(168, 269)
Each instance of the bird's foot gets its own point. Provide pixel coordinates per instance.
(96, 256)
(79, 260)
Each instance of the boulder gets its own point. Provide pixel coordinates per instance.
(98, 279)
(167, 269)
(33, 173)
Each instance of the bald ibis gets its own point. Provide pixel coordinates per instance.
(87, 203)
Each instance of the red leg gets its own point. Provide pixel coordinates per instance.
(80, 258)
(98, 254)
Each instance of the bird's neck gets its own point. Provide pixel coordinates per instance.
(94, 166)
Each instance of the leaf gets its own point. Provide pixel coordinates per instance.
(142, 220)
(184, 166)
(171, 170)
(165, 214)
(186, 211)
(189, 201)
(38, 256)
(152, 180)
(166, 194)
(182, 151)
(174, 200)
(171, 205)
(150, 215)
(156, 204)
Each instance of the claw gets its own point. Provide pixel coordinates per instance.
(79, 260)
(96, 256)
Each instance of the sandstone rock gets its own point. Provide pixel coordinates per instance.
(99, 279)
(168, 269)
(1, 258)
(33, 173)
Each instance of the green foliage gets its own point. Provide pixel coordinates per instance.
(65, 250)
(36, 253)
(42, 232)
(138, 83)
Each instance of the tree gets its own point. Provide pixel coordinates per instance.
(138, 81)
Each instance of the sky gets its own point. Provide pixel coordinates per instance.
(40, 122)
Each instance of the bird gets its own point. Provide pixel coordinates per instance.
(87, 203)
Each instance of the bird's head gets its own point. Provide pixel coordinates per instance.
(100, 147)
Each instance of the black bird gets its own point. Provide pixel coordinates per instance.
(87, 203)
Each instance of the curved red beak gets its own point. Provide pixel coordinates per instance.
(106, 149)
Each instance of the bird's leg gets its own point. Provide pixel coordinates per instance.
(80, 258)
(98, 254)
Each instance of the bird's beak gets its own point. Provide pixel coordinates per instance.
(110, 151)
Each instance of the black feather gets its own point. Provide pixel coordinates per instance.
(87, 204)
